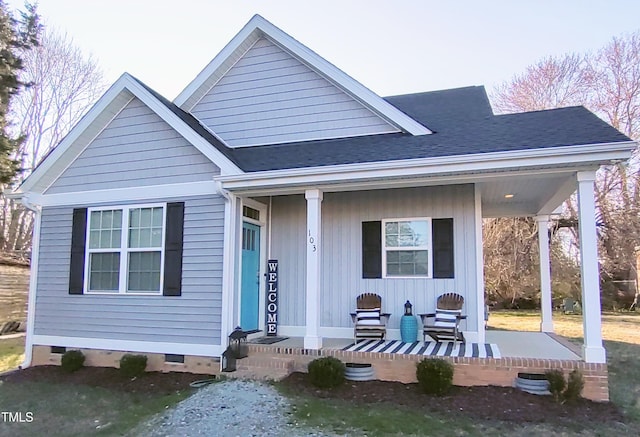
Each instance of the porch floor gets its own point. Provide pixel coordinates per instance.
(511, 344)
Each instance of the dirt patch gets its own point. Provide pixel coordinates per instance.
(107, 377)
(485, 403)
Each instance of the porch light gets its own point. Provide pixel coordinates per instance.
(509, 196)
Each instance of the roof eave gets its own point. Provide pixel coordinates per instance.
(587, 155)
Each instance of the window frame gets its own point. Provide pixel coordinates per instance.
(124, 250)
(428, 247)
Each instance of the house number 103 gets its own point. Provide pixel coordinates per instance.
(312, 242)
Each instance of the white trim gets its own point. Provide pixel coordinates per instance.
(131, 194)
(309, 139)
(124, 250)
(258, 27)
(454, 167)
(129, 87)
(262, 223)
(33, 285)
(479, 257)
(428, 247)
(202, 350)
(228, 265)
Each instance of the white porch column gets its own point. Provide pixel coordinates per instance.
(480, 307)
(312, 339)
(546, 306)
(592, 349)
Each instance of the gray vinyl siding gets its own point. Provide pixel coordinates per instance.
(270, 97)
(342, 217)
(193, 318)
(137, 148)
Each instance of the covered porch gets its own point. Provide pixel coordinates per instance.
(313, 229)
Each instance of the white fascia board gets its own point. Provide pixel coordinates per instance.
(591, 154)
(75, 133)
(208, 150)
(329, 71)
(248, 33)
(203, 350)
(131, 194)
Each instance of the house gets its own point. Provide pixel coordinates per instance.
(155, 219)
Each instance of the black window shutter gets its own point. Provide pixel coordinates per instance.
(372, 249)
(442, 231)
(173, 250)
(78, 236)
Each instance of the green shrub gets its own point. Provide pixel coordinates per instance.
(326, 372)
(565, 390)
(435, 376)
(557, 383)
(575, 384)
(133, 365)
(72, 360)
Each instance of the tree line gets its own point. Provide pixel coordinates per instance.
(607, 82)
(46, 85)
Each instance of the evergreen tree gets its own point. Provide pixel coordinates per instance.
(16, 35)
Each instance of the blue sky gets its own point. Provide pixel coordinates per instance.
(392, 47)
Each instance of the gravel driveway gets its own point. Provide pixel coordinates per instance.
(229, 408)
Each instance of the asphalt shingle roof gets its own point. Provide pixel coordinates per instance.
(461, 119)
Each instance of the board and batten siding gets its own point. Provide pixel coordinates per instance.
(342, 217)
(270, 97)
(137, 148)
(192, 318)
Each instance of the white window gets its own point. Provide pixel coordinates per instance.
(406, 245)
(125, 249)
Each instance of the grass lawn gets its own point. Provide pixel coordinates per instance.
(77, 410)
(11, 353)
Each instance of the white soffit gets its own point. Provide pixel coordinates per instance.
(258, 27)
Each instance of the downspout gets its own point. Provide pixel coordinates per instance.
(227, 262)
(33, 281)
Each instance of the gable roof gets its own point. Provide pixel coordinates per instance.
(100, 115)
(258, 28)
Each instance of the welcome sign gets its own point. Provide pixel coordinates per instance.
(272, 297)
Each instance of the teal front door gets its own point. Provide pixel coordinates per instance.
(250, 293)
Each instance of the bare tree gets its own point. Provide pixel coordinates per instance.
(608, 83)
(64, 83)
(553, 82)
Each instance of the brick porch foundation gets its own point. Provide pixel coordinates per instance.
(272, 362)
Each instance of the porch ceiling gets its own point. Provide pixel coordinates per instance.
(525, 195)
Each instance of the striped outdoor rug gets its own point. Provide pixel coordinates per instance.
(439, 349)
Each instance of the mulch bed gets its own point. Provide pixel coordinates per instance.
(486, 403)
(109, 378)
